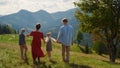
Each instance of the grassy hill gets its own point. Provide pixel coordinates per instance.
(10, 56)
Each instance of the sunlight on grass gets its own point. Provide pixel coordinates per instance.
(10, 56)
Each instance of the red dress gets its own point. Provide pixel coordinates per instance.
(36, 44)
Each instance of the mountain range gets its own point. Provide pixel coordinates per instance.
(50, 21)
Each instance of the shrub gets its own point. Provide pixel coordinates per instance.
(100, 48)
(118, 51)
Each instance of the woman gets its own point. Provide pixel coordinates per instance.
(36, 44)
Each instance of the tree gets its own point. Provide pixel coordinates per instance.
(6, 29)
(103, 15)
(79, 37)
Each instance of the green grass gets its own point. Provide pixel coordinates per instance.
(10, 56)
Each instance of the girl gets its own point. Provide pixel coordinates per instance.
(49, 40)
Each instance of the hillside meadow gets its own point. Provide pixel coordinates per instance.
(10, 56)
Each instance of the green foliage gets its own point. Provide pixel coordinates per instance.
(86, 49)
(118, 51)
(95, 14)
(79, 36)
(6, 29)
(100, 48)
(104, 16)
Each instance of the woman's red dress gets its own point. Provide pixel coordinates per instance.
(36, 44)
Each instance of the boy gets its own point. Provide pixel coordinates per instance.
(22, 43)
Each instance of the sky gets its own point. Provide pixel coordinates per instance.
(13, 6)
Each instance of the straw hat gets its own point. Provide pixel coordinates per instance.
(48, 33)
(22, 29)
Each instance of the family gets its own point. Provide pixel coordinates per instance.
(65, 38)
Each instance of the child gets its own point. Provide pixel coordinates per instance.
(36, 44)
(22, 43)
(49, 40)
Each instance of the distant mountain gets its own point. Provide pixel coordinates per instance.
(50, 22)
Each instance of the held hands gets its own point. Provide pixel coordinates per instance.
(72, 43)
(27, 35)
(58, 41)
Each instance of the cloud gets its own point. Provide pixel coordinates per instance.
(66, 0)
(3, 2)
(12, 6)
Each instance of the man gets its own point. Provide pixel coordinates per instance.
(65, 37)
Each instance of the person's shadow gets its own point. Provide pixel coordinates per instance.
(43, 65)
(53, 62)
(40, 65)
(72, 65)
(79, 66)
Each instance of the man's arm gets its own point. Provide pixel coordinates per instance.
(59, 35)
(72, 36)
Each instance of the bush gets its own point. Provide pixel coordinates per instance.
(100, 48)
(118, 51)
(6, 29)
